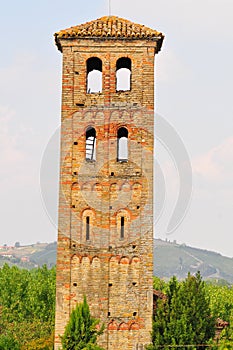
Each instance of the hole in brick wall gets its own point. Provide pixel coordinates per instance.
(109, 313)
(75, 172)
(94, 75)
(122, 227)
(76, 72)
(138, 206)
(73, 206)
(134, 283)
(75, 143)
(87, 228)
(122, 145)
(74, 245)
(135, 313)
(75, 284)
(110, 207)
(112, 173)
(90, 144)
(123, 74)
(80, 104)
(110, 284)
(134, 246)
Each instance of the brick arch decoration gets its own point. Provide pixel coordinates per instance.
(113, 326)
(134, 326)
(135, 259)
(86, 186)
(75, 259)
(124, 260)
(95, 262)
(123, 326)
(85, 259)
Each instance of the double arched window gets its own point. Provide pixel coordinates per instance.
(123, 74)
(122, 144)
(94, 75)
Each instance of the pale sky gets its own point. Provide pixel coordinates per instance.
(194, 78)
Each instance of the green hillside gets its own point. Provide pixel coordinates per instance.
(175, 259)
(169, 259)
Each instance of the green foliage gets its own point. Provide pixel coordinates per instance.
(221, 304)
(184, 317)
(8, 341)
(27, 307)
(81, 331)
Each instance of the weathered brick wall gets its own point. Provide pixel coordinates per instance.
(114, 273)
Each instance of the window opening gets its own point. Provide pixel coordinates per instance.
(90, 144)
(87, 228)
(122, 227)
(123, 74)
(122, 145)
(94, 75)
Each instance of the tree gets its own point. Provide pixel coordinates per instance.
(27, 308)
(184, 318)
(81, 331)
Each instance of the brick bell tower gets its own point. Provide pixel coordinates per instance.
(105, 236)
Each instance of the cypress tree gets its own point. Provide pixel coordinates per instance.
(81, 331)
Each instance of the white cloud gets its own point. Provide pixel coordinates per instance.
(216, 166)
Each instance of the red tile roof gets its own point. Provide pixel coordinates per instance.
(110, 27)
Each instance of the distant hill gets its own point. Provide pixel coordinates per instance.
(29, 256)
(170, 259)
(178, 259)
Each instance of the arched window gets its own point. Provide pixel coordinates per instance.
(122, 145)
(87, 225)
(94, 75)
(122, 234)
(122, 221)
(123, 74)
(90, 144)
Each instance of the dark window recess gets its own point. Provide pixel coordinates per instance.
(133, 246)
(87, 228)
(135, 313)
(123, 74)
(134, 283)
(80, 104)
(138, 206)
(122, 145)
(94, 75)
(74, 245)
(122, 227)
(91, 144)
(112, 174)
(75, 143)
(73, 206)
(109, 313)
(75, 172)
(75, 284)
(110, 284)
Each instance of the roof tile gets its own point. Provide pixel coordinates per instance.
(109, 26)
